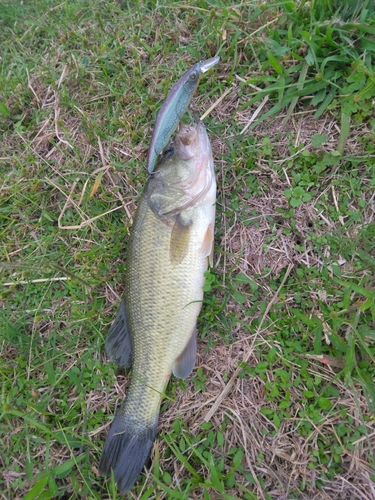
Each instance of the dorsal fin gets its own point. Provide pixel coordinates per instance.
(118, 343)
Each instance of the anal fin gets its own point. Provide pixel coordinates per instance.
(118, 343)
(184, 364)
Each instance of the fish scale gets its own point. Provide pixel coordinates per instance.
(169, 316)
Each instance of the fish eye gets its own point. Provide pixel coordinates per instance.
(193, 77)
(168, 152)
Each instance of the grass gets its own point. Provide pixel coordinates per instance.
(287, 329)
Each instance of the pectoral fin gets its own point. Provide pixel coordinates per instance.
(118, 343)
(179, 239)
(184, 364)
(208, 245)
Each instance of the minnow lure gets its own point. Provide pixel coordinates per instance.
(174, 107)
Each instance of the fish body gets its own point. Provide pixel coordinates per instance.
(155, 328)
(174, 107)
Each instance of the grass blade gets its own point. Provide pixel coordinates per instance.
(300, 83)
(344, 134)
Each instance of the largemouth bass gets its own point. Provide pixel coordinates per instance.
(174, 107)
(155, 328)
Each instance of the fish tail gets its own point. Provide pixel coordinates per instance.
(126, 448)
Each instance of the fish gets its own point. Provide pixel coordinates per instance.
(170, 247)
(174, 107)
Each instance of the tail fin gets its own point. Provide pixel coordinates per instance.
(126, 449)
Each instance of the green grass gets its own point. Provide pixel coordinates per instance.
(80, 84)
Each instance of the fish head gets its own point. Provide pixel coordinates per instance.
(185, 154)
(184, 175)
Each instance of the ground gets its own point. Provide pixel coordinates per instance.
(281, 402)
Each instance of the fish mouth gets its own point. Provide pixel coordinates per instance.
(208, 64)
(187, 142)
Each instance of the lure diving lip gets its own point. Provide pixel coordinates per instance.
(174, 107)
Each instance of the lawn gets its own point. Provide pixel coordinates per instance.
(281, 402)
